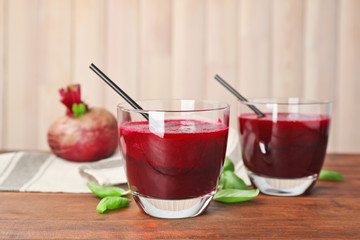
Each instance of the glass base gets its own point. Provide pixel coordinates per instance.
(282, 186)
(168, 208)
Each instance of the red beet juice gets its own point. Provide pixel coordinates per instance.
(288, 145)
(184, 162)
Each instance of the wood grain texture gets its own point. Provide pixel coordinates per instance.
(2, 67)
(220, 51)
(188, 48)
(254, 48)
(348, 84)
(21, 92)
(155, 49)
(173, 49)
(287, 48)
(330, 211)
(122, 50)
(320, 49)
(88, 46)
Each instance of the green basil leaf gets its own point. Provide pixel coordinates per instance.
(109, 203)
(229, 180)
(228, 165)
(235, 195)
(106, 191)
(326, 175)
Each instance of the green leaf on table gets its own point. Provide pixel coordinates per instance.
(326, 175)
(228, 165)
(235, 195)
(107, 191)
(78, 109)
(229, 180)
(109, 203)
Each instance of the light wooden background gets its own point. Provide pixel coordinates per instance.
(173, 49)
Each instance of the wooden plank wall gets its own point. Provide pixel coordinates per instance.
(2, 70)
(173, 49)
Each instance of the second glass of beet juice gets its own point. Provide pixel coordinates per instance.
(173, 152)
(284, 150)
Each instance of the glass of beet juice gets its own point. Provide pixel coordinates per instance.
(173, 152)
(284, 150)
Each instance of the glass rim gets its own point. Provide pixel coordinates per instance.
(217, 106)
(286, 101)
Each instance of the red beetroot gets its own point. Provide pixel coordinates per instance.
(83, 134)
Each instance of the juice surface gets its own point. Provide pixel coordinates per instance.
(288, 145)
(184, 162)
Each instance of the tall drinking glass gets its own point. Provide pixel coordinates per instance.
(174, 151)
(284, 151)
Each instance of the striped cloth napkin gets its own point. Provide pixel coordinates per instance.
(27, 171)
(44, 172)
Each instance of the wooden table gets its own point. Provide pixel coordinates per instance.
(331, 211)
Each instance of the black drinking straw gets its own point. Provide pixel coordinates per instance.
(238, 95)
(117, 89)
